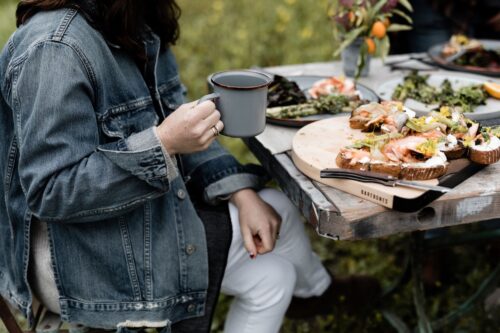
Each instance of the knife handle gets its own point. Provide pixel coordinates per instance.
(358, 173)
(360, 176)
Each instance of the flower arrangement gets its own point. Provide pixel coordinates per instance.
(370, 21)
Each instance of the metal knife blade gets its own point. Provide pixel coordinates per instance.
(378, 178)
(420, 186)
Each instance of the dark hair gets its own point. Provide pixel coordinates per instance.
(120, 21)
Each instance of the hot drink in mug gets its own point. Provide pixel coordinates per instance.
(241, 98)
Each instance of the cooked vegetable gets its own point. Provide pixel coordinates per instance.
(331, 104)
(480, 58)
(415, 86)
(284, 92)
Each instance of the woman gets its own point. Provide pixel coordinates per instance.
(104, 214)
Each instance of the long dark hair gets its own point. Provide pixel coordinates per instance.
(120, 21)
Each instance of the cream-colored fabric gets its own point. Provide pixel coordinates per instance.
(41, 275)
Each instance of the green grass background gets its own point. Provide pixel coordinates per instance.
(229, 34)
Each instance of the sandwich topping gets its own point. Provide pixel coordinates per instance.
(402, 145)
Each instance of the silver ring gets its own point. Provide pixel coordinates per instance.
(215, 130)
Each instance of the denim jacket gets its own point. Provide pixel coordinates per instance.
(79, 152)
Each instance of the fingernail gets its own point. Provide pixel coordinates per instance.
(252, 256)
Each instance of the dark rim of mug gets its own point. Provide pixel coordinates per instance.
(262, 75)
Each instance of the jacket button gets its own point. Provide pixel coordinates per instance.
(181, 194)
(190, 248)
(191, 307)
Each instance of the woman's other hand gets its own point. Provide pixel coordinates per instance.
(190, 128)
(259, 222)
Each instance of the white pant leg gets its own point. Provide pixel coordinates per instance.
(262, 289)
(264, 286)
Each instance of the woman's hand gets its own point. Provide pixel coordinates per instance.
(190, 128)
(259, 222)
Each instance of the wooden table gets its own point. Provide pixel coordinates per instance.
(342, 216)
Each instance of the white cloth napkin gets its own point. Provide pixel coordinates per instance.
(277, 139)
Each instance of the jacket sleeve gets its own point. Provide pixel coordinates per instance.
(65, 174)
(214, 174)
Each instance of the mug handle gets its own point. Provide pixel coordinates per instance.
(209, 97)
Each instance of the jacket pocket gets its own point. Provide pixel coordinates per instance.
(123, 120)
(173, 94)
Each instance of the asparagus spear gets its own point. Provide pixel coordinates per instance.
(325, 104)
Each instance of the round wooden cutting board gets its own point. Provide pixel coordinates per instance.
(315, 148)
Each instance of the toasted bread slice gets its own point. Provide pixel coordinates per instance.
(482, 156)
(347, 163)
(413, 172)
(392, 169)
(357, 122)
(455, 153)
(407, 171)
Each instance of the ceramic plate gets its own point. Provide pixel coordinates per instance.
(482, 112)
(305, 82)
(435, 54)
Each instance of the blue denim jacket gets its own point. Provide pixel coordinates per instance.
(79, 152)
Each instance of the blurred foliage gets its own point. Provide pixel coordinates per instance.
(7, 19)
(228, 34)
(219, 35)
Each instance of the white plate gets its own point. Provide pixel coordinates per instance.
(482, 112)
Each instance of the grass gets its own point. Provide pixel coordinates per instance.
(219, 35)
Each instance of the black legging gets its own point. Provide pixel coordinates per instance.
(218, 233)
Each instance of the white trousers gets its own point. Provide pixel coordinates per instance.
(263, 287)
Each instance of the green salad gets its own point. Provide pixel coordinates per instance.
(415, 86)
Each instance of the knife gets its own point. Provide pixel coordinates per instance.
(378, 178)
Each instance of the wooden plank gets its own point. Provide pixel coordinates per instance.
(341, 216)
(8, 318)
(310, 201)
(439, 214)
(482, 186)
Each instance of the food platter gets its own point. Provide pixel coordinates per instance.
(436, 56)
(482, 112)
(316, 145)
(305, 82)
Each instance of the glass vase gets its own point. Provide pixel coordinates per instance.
(350, 56)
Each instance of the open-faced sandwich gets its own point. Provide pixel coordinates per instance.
(409, 157)
(485, 148)
(333, 86)
(448, 126)
(415, 148)
(387, 117)
(459, 43)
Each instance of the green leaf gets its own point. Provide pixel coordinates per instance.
(406, 4)
(361, 61)
(399, 27)
(348, 39)
(378, 6)
(359, 18)
(384, 45)
(403, 15)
